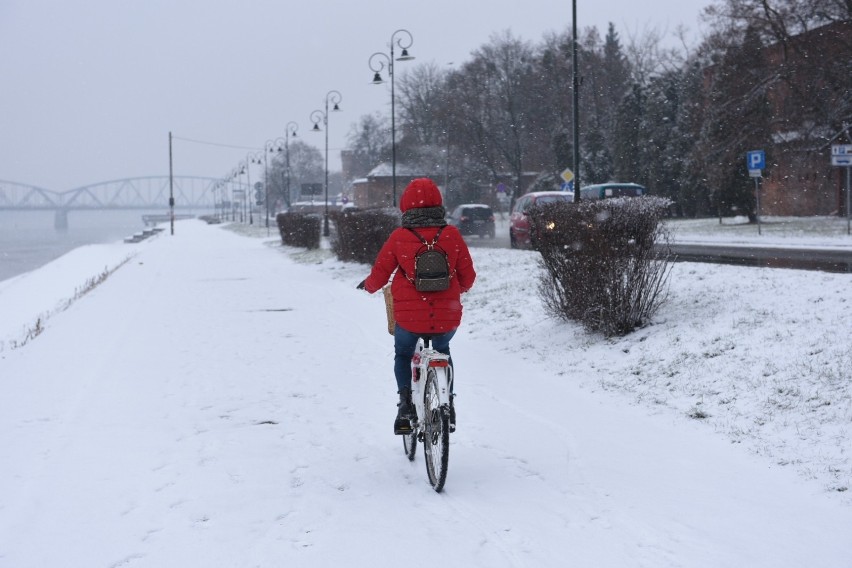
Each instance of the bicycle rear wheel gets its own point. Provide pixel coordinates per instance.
(436, 434)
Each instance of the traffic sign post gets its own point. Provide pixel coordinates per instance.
(756, 162)
(841, 156)
(567, 180)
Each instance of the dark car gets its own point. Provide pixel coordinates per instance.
(613, 189)
(519, 223)
(473, 219)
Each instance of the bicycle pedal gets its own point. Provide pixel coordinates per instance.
(402, 427)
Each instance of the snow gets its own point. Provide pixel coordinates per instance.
(220, 400)
(818, 232)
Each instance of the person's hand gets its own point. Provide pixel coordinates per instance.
(360, 285)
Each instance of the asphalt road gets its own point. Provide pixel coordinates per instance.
(501, 240)
(827, 260)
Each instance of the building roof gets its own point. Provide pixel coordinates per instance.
(385, 169)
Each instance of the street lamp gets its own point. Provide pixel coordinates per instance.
(268, 147)
(281, 144)
(251, 158)
(291, 130)
(317, 115)
(377, 80)
(236, 176)
(229, 191)
(575, 87)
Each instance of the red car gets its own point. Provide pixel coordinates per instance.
(519, 224)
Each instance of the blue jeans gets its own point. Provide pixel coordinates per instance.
(404, 344)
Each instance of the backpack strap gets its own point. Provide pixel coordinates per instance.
(429, 246)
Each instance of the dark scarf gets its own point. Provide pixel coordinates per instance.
(424, 217)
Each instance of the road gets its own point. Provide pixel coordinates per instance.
(826, 260)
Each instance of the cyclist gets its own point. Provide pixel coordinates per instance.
(436, 314)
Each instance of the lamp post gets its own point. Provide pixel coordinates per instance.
(237, 177)
(575, 84)
(232, 197)
(291, 130)
(251, 158)
(269, 146)
(281, 144)
(377, 80)
(317, 115)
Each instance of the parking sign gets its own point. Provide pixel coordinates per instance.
(756, 160)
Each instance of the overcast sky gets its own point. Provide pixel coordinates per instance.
(89, 89)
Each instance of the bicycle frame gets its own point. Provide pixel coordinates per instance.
(440, 363)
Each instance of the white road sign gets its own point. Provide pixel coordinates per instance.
(841, 155)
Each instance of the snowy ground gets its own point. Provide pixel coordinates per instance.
(817, 232)
(219, 400)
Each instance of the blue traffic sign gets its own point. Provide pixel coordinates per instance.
(756, 160)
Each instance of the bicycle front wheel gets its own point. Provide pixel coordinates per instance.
(436, 433)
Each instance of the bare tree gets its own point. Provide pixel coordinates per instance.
(306, 166)
(502, 122)
(370, 143)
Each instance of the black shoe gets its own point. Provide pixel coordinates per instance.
(404, 413)
(452, 414)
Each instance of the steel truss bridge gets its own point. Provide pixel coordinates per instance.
(148, 193)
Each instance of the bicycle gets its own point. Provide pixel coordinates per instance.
(431, 387)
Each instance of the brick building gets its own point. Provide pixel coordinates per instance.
(376, 189)
(801, 180)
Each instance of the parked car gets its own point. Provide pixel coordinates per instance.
(519, 224)
(473, 219)
(605, 190)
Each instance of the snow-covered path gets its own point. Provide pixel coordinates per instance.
(221, 402)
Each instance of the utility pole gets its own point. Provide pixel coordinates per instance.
(576, 109)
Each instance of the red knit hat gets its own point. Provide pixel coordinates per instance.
(422, 192)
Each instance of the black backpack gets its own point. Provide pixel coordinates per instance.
(431, 266)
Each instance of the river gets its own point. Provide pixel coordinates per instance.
(29, 240)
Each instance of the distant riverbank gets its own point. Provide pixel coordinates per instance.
(29, 240)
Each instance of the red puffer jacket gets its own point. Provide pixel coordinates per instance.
(423, 312)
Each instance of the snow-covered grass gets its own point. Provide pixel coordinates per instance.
(762, 357)
(221, 400)
(830, 232)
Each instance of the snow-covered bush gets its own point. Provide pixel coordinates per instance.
(299, 229)
(606, 262)
(360, 234)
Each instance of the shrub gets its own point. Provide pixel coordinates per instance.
(299, 229)
(606, 262)
(360, 234)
